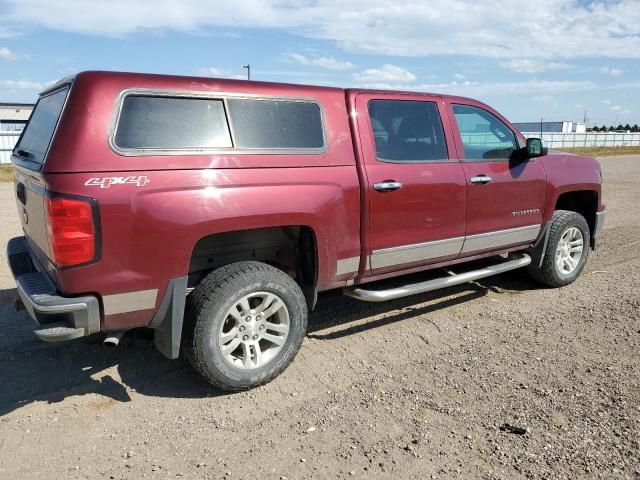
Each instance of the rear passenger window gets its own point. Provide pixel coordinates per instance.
(276, 124)
(154, 122)
(172, 123)
(484, 136)
(407, 131)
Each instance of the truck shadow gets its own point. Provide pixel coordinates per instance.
(33, 371)
(347, 313)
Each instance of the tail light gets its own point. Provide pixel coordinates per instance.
(72, 230)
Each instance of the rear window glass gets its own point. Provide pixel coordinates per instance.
(172, 123)
(35, 140)
(407, 131)
(276, 124)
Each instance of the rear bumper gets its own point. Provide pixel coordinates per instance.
(60, 318)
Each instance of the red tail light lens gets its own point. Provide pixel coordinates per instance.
(72, 230)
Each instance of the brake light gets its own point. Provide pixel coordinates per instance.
(71, 230)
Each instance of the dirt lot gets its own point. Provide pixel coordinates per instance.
(416, 388)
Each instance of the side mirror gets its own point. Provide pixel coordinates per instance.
(536, 148)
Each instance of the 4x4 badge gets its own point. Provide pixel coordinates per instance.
(106, 182)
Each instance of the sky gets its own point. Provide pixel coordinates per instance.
(550, 59)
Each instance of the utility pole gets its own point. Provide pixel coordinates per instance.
(541, 126)
(248, 67)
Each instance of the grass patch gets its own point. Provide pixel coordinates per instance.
(603, 151)
(6, 173)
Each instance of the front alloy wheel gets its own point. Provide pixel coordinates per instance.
(569, 251)
(566, 251)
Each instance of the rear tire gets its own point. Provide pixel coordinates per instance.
(566, 252)
(244, 324)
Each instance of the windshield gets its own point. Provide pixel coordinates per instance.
(35, 140)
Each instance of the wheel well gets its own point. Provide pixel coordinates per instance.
(292, 249)
(584, 202)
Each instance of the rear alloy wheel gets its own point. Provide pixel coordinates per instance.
(254, 330)
(244, 324)
(566, 252)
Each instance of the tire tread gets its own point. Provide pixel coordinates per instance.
(216, 287)
(546, 273)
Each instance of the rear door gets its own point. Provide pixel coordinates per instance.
(505, 196)
(414, 187)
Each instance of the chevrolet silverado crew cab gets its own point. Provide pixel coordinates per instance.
(214, 211)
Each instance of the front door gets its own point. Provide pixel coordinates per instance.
(414, 186)
(505, 196)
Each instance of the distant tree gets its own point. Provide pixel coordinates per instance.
(603, 129)
(620, 127)
(627, 127)
(635, 128)
(611, 129)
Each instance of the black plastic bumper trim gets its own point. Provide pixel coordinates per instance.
(41, 299)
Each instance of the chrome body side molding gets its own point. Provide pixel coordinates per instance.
(129, 302)
(500, 238)
(347, 265)
(387, 257)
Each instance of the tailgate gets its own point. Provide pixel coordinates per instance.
(29, 189)
(28, 156)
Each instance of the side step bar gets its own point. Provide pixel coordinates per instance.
(435, 284)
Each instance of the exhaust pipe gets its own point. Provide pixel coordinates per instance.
(113, 339)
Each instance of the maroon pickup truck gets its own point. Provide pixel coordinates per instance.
(214, 211)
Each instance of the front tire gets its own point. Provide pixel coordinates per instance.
(245, 322)
(566, 252)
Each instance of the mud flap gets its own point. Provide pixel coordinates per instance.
(167, 321)
(538, 248)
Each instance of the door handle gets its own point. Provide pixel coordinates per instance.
(480, 179)
(387, 186)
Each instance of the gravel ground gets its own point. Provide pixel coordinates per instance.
(415, 388)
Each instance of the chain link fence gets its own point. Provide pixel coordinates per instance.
(591, 139)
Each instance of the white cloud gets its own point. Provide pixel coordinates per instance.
(562, 29)
(325, 62)
(459, 76)
(543, 98)
(540, 88)
(620, 110)
(221, 73)
(606, 102)
(386, 74)
(7, 55)
(613, 71)
(527, 65)
(13, 85)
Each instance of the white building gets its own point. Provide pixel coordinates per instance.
(13, 118)
(551, 127)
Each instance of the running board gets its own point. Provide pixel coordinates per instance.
(435, 284)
